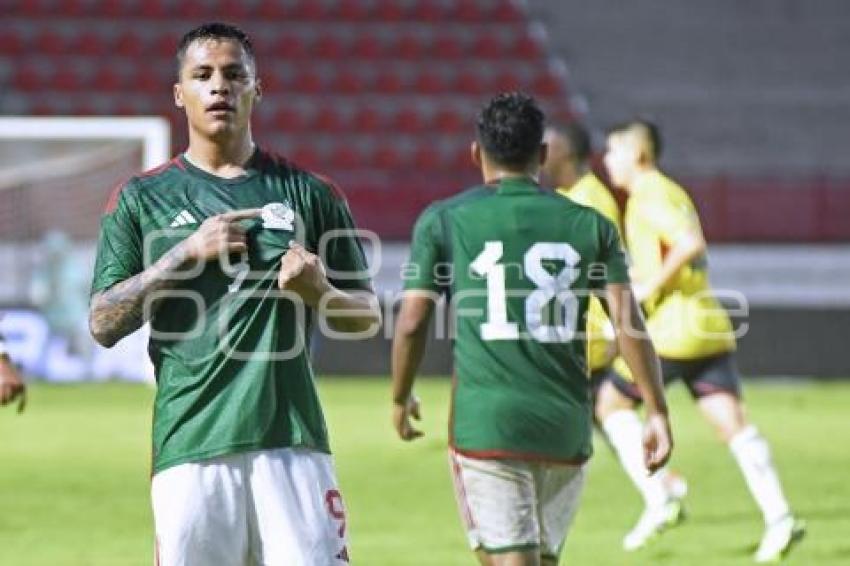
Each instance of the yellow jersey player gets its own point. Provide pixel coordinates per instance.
(692, 334)
(568, 170)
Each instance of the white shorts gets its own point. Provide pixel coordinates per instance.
(513, 505)
(277, 507)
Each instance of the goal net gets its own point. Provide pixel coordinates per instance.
(56, 175)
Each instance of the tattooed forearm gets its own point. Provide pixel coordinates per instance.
(121, 309)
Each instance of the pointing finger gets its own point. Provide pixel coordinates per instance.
(241, 214)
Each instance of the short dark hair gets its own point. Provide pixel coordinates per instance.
(218, 31)
(646, 127)
(510, 129)
(578, 138)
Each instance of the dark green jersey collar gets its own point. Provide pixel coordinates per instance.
(515, 185)
(251, 170)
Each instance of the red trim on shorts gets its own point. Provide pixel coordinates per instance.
(460, 491)
(510, 455)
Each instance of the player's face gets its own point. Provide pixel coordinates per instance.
(217, 87)
(621, 159)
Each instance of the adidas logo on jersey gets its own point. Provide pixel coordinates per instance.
(182, 219)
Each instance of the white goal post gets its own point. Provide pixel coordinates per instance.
(56, 174)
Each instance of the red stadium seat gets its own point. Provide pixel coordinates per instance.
(470, 84)
(108, 79)
(505, 82)
(289, 120)
(526, 47)
(165, 45)
(450, 122)
(129, 44)
(387, 10)
(89, 43)
(408, 120)
(348, 82)
(67, 79)
(308, 81)
(426, 10)
(308, 10)
(488, 46)
(306, 156)
(350, 11)
(154, 9)
(408, 47)
(367, 47)
(235, 10)
(388, 82)
(429, 82)
(11, 43)
(447, 47)
(328, 120)
(427, 158)
(386, 157)
(52, 43)
(290, 47)
(195, 9)
(347, 157)
(328, 47)
(506, 11)
(270, 11)
(367, 120)
(548, 84)
(468, 12)
(28, 78)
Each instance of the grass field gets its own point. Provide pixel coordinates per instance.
(74, 481)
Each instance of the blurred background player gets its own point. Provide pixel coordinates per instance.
(693, 335)
(521, 415)
(241, 458)
(12, 385)
(568, 170)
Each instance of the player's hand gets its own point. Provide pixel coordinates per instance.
(11, 385)
(402, 412)
(302, 272)
(220, 235)
(657, 441)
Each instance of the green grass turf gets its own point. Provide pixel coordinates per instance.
(74, 480)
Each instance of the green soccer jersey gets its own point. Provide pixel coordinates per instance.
(230, 352)
(517, 264)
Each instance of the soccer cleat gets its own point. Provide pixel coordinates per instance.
(676, 485)
(778, 539)
(652, 523)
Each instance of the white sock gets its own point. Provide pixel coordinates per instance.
(625, 433)
(752, 453)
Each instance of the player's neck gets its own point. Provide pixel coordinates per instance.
(224, 158)
(639, 176)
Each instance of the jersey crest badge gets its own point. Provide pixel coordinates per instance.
(278, 216)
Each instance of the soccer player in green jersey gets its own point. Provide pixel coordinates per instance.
(230, 252)
(518, 264)
(11, 384)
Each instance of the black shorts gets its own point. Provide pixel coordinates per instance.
(702, 377)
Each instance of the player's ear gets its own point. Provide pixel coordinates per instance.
(258, 90)
(475, 153)
(178, 95)
(544, 153)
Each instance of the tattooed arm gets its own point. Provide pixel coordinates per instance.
(121, 309)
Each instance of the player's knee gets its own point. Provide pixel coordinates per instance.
(725, 413)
